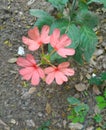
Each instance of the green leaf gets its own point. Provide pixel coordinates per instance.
(85, 17)
(74, 33)
(40, 22)
(44, 18)
(103, 76)
(95, 80)
(87, 45)
(81, 107)
(82, 5)
(40, 13)
(101, 102)
(73, 101)
(59, 4)
(98, 118)
(100, 99)
(61, 24)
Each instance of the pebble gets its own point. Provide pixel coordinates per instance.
(30, 123)
(40, 114)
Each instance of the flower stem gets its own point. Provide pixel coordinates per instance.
(72, 9)
(52, 52)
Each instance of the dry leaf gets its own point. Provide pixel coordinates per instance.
(80, 87)
(12, 60)
(96, 109)
(6, 127)
(48, 108)
(96, 90)
(75, 126)
(32, 90)
(90, 128)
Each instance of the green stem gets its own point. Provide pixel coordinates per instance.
(72, 9)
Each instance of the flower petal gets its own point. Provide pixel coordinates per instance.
(32, 45)
(23, 62)
(34, 34)
(26, 71)
(68, 71)
(31, 59)
(63, 65)
(64, 41)
(60, 77)
(35, 78)
(50, 78)
(54, 39)
(45, 38)
(49, 70)
(41, 73)
(66, 51)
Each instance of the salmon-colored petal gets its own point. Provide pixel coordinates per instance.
(27, 76)
(32, 45)
(49, 70)
(31, 59)
(27, 70)
(64, 52)
(23, 62)
(54, 39)
(35, 78)
(27, 41)
(68, 71)
(45, 38)
(34, 34)
(60, 77)
(64, 41)
(50, 78)
(63, 65)
(41, 72)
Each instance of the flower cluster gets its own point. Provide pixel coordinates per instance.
(32, 71)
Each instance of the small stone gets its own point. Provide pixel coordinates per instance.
(13, 121)
(75, 126)
(21, 51)
(64, 123)
(30, 2)
(40, 114)
(30, 123)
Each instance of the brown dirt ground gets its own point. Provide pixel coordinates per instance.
(22, 111)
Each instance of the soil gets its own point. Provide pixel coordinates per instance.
(21, 110)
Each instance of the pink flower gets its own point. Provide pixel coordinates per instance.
(59, 43)
(36, 39)
(59, 73)
(31, 70)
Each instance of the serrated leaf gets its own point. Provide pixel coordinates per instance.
(103, 76)
(87, 46)
(43, 21)
(98, 118)
(59, 4)
(74, 33)
(40, 13)
(73, 101)
(44, 18)
(61, 24)
(81, 107)
(86, 17)
(95, 80)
